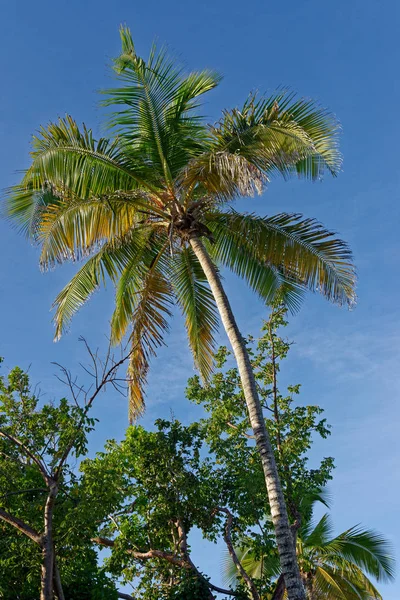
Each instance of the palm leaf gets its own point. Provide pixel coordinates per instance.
(71, 230)
(367, 549)
(302, 250)
(318, 535)
(198, 306)
(158, 102)
(149, 306)
(266, 566)
(110, 261)
(281, 133)
(231, 249)
(146, 251)
(72, 161)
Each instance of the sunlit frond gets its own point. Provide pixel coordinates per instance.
(158, 102)
(71, 230)
(280, 134)
(144, 298)
(110, 261)
(71, 161)
(149, 323)
(301, 249)
(198, 307)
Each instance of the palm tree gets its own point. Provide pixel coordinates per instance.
(150, 210)
(332, 568)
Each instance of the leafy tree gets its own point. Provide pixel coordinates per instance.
(154, 487)
(146, 495)
(331, 567)
(45, 543)
(150, 208)
(291, 426)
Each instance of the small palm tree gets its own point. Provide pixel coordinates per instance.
(332, 568)
(150, 210)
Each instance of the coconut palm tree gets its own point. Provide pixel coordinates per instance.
(332, 568)
(150, 210)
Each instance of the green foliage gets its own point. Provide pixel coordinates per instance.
(142, 498)
(147, 483)
(292, 427)
(46, 431)
(334, 567)
(152, 478)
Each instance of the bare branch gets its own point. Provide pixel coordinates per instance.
(107, 377)
(184, 563)
(228, 540)
(27, 453)
(168, 556)
(23, 492)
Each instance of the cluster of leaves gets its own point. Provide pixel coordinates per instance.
(47, 431)
(292, 426)
(143, 497)
(147, 483)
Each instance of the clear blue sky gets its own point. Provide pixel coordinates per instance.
(55, 55)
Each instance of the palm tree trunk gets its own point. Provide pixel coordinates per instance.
(284, 538)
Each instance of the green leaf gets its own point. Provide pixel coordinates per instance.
(198, 306)
(300, 251)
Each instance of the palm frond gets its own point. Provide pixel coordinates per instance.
(303, 251)
(238, 252)
(367, 549)
(280, 134)
(158, 102)
(78, 290)
(266, 566)
(348, 583)
(318, 535)
(144, 297)
(110, 261)
(71, 230)
(198, 306)
(71, 161)
(145, 253)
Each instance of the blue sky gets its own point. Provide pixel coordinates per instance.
(56, 55)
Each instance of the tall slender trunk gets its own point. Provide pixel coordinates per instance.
(47, 579)
(284, 538)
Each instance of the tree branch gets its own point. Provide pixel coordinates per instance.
(106, 378)
(21, 526)
(7, 494)
(185, 563)
(168, 556)
(228, 540)
(185, 551)
(279, 589)
(27, 453)
(232, 426)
